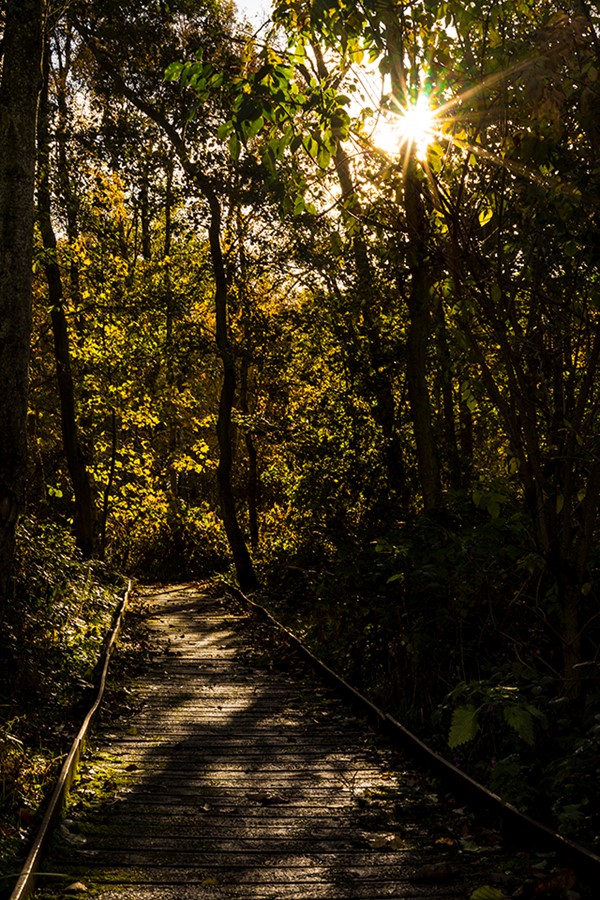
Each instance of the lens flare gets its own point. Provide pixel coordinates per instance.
(416, 125)
(413, 126)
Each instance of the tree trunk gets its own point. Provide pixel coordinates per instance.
(252, 482)
(19, 90)
(418, 301)
(379, 380)
(417, 341)
(85, 517)
(241, 557)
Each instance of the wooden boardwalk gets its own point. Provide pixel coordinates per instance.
(238, 777)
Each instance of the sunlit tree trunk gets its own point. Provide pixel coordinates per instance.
(19, 88)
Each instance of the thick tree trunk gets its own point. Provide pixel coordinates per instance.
(85, 517)
(19, 88)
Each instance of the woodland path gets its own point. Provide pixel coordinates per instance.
(235, 774)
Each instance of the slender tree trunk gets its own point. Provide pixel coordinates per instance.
(380, 384)
(418, 300)
(379, 380)
(241, 557)
(85, 518)
(417, 343)
(252, 482)
(174, 478)
(19, 88)
(111, 478)
(145, 218)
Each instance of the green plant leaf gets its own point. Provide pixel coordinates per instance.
(234, 146)
(485, 215)
(173, 71)
(464, 725)
(521, 721)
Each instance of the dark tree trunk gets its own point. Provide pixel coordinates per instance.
(418, 300)
(379, 380)
(252, 482)
(145, 218)
(85, 518)
(417, 342)
(19, 90)
(241, 557)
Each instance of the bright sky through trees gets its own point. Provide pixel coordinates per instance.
(412, 126)
(256, 11)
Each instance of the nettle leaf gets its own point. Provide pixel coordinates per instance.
(520, 719)
(464, 725)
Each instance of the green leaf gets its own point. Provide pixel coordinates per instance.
(311, 146)
(173, 71)
(253, 128)
(493, 509)
(521, 721)
(464, 725)
(224, 130)
(485, 215)
(323, 157)
(299, 205)
(234, 146)
(487, 893)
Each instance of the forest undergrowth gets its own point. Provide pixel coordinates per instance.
(54, 630)
(445, 622)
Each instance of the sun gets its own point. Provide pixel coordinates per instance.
(413, 126)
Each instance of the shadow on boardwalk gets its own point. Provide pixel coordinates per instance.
(240, 777)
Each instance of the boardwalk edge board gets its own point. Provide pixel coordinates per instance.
(26, 881)
(516, 825)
